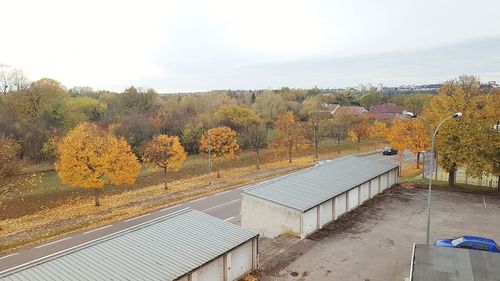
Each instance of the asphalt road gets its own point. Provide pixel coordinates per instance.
(224, 205)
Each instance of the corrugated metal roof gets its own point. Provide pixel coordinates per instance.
(449, 264)
(163, 249)
(308, 188)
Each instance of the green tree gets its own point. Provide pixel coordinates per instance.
(370, 99)
(237, 117)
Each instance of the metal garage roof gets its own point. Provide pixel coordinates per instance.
(449, 264)
(307, 188)
(162, 249)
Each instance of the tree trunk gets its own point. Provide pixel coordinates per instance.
(498, 183)
(316, 149)
(96, 197)
(165, 177)
(338, 145)
(452, 176)
(290, 154)
(218, 171)
(258, 159)
(359, 142)
(418, 159)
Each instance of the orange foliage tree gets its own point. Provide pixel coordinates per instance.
(290, 136)
(222, 144)
(91, 157)
(165, 152)
(360, 130)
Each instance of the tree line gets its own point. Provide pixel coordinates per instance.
(100, 137)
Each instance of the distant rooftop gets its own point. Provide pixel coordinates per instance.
(162, 249)
(309, 187)
(449, 264)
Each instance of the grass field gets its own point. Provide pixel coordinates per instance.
(37, 206)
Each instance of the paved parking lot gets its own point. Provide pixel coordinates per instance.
(375, 241)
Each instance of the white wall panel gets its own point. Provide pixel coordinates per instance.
(212, 271)
(340, 205)
(353, 198)
(375, 187)
(310, 220)
(383, 181)
(268, 218)
(241, 260)
(326, 212)
(365, 192)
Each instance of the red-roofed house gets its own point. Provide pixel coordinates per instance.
(386, 111)
(337, 109)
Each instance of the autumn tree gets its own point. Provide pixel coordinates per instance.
(41, 94)
(290, 135)
(237, 117)
(190, 136)
(471, 141)
(221, 143)
(165, 152)
(10, 163)
(91, 157)
(359, 130)
(254, 138)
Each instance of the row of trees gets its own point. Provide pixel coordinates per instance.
(472, 142)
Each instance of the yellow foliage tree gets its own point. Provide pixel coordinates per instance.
(471, 141)
(90, 157)
(290, 136)
(221, 142)
(379, 129)
(413, 135)
(165, 152)
(360, 130)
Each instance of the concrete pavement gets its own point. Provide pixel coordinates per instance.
(224, 205)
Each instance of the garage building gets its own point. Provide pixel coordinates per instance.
(303, 202)
(188, 245)
(431, 263)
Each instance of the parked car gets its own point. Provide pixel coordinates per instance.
(389, 151)
(470, 242)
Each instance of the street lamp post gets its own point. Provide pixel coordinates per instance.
(456, 115)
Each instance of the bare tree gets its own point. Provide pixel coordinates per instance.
(254, 137)
(12, 79)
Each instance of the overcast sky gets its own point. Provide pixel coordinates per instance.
(202, 45)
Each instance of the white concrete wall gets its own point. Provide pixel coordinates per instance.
(353, 198)
(184, 278)
(383, 181)
(374, 187)
(365, 191)
(267, 218)
(213, 271)
(241, 260)
(393, 177)
(340, 205)
(310, 222)
(325, 213)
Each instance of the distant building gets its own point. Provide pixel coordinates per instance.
(337, 109)
(386, 111)
(380, 87)
(368, 87)
(361, 88)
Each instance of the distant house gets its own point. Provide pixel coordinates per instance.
(386, 111)
(337, 109)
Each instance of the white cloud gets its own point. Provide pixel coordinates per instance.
(189, 45)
